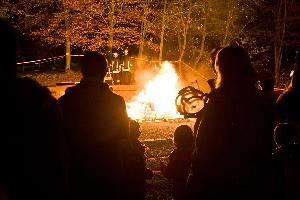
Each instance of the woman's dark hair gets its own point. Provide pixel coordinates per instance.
(93, 64)
(234, 67)
(183, 136)
(213, 54)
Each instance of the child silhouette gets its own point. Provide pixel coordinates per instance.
(178, 167)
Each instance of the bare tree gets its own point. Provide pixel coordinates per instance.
(203, 30)
(163, 27)
(185, 19)
(143, 27)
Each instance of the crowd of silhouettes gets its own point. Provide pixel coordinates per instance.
(84, 146)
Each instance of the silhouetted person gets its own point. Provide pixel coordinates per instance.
(232, 157)
(288, 103)
(286, 162)
(267, 83)
(96, 125)
(179, 164)
(32, 152)
(135, 165)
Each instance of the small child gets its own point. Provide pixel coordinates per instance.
(134, 134)
(178, 167)
(136, 170)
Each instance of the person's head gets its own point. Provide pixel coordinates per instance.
(8, 53)
(285, 134)
(266, 80)
(134, 129)
(234, 68)
(183, 136)
(93, 65)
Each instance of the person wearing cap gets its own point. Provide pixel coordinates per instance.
(96, 123)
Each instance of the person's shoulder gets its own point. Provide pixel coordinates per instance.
(104, 87)
(114, 96)
(275, 94)
(176, 154)
(28, 82)
(33, 94)
(32, 87)
(214, 95)
(172, 155)
(215, 92)
(118, 97)
(69, 92)
(216, 100)
(289, 93)
(286, 97)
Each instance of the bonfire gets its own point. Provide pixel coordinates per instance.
(156, 101)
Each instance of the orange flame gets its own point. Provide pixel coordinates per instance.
(157, 99)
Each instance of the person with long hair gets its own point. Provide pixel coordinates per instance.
(233, 149)
(287, 105)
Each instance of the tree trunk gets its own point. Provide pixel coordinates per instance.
(202, 45)
(143, 29)
(111, 29)
(228, 23)
(68, 42)
(185, 25)
(68, 51)
(280, 27)
(182, 50)
(162, 34)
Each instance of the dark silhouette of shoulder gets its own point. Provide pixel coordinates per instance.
(32, 149)
(103, 87)
(288, 105)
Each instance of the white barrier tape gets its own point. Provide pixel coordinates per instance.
(40, 60)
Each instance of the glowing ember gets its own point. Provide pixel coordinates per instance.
(157, 99)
